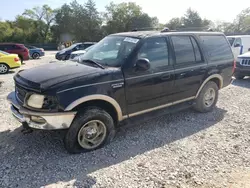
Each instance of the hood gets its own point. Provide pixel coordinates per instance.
(63, 51)
(79, 52)
(53, 73)
(247, 54)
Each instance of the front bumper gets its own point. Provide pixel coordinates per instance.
(50, 121)
(242, 71)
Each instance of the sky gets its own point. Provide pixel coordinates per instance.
(215, 10)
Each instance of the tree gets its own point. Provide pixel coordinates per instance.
(190, 21)
(174, 23)
(193, 20)
(126, 17)
(242, 21)
(44, 16)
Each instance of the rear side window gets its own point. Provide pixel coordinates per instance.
(197, 51)
(217, 47)
(183, 48)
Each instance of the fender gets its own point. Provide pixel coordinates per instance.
(106, 98)
(208, 79)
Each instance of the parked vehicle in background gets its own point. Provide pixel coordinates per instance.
(242, 68)
(8, 61)
(78, 53)
(65, 53)
(123, 76)
(14, 48)
(35, 52)
(240, 44)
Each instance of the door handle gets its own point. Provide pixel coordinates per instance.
(166, 77)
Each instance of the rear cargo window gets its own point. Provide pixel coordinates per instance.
(217, 47)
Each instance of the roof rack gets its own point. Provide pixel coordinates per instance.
(166, 29)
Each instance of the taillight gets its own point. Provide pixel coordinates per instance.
(234, 66)
(16, 59)
(42, 49)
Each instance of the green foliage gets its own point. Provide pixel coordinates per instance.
(190, 21)
(83, 22)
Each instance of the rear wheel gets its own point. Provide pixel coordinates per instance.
(4, 68)
(35, 55)
(91, 129)
(207, 98)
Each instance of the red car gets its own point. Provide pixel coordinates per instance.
(15, 48)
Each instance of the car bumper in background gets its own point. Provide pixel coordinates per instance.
(40, 120)
(242, 71)
(14, 65)
(42, 53)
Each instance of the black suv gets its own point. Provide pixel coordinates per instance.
(121, 77)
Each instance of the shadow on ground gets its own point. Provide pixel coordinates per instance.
(242, 83)
(39, 159)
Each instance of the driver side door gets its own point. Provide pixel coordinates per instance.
(149, 89)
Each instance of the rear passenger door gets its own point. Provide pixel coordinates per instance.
(190, 66)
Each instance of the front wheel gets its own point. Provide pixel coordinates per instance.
(91, 129)
(4, 68)
(35, 55)
(207, 98)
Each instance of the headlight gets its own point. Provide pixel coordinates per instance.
(36, 101)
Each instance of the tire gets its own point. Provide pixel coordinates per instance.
(67, 57)
(239, 77)
(4, 68)
(77, 133)
(206, 105)
(35, 55)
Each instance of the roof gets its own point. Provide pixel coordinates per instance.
(10, 43)
(89, 42)
(143, 34)
(239, 36)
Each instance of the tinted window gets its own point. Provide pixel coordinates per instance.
(156, 51)
(183, 48)
(231, 40)
(2, 47)
(16, 47)
(217, 47)
(197, 51)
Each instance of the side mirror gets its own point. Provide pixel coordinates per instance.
(142, 64)
(237, 45)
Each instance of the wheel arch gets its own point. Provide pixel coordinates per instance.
(5, 64)
(103, 101)
(215, 78)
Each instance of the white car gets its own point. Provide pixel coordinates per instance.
(240, 44)
(77, 53)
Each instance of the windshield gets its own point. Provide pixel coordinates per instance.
(72, 46)
(111, 51)
(2, 52)
(231, 40)
(30, 47)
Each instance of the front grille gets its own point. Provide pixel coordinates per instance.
(21, 93)
(245, 62)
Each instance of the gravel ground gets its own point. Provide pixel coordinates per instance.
(184, 149)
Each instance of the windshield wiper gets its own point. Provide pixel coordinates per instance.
(93, 62)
